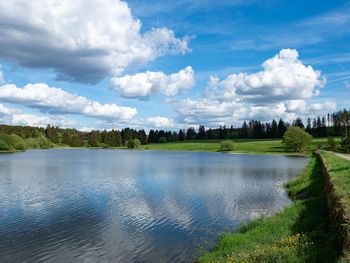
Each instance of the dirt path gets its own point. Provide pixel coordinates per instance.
(344, 156)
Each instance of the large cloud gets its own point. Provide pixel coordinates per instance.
(303, 107)
(16, 117)
(283, 77)
(82, 40)
(142, 85)
(283, 88)
(57, 101)
(213, 113)
(160, 122)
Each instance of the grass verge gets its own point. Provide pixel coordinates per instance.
(339, 171)
(10, 151)
(338, 193)
(300, 233)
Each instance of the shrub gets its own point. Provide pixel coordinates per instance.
(331, 143)
(133, 144)
(32, 143)
(21, 145)
(227, 145)
(17, 142)
(345, 145)
(137, 143)
(162, 140)
(12, 141)
(4, 145)
(103, 145)
(129, 144)
(44, 142)
(296, 139)
(7, 139)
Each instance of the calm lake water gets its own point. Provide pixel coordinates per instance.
(131, 206)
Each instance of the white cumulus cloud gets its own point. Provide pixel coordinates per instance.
(16, 117)
(160, 122)
(303, 107)
(57, 101)
(283, 77)
(213, 113)
(142, 85)
(282, 89)
(81, 40)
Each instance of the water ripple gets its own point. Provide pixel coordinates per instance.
(131, 206)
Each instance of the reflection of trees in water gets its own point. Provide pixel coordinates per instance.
(125, 205)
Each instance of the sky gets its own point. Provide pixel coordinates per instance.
(161, 64)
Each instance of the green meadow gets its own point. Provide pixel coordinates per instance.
(249, 146)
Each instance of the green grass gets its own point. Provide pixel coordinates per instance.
(339, 171)
(252, 146)
(300, 233)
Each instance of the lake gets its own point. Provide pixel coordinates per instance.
(83, 205)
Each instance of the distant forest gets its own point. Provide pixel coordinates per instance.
(22, 137)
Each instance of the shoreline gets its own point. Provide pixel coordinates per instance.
(290, 154)
(241, 146)
(294, 234)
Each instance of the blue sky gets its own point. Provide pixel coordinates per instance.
(165, 64)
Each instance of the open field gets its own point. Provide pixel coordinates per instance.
(249, 146)
(252, 146)
(300, 233)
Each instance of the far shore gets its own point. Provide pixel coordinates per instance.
(242, 146)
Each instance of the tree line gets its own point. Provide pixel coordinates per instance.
(330, 125)
(335, 124)
(22, 137)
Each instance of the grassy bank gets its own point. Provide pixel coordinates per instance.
(252, 146)
(337, 170)
(300, 233)
(8, 151)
